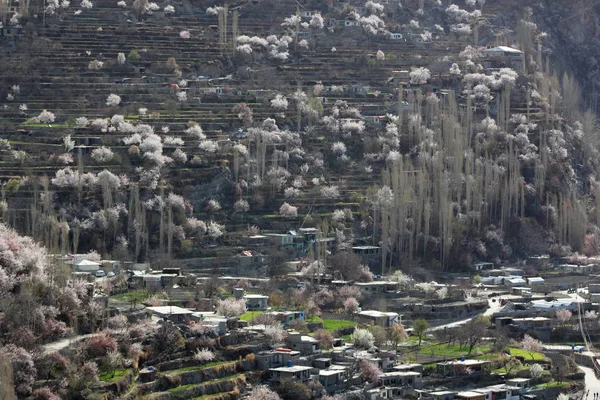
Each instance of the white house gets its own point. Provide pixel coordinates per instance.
(87, 266)
(380, 318)
(535, 281)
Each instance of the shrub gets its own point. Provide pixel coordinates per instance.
(99, 346)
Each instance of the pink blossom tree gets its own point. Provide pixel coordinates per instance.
(369, 371)
(263, 393)
(231, 307)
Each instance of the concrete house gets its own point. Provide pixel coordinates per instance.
(276, 358)
(401, 378)
(172, 313)
(256, 302)
(291, 372)
(379, 318)
(470, 395)
(377, 287)
(303, 343)
(333, 379)
(535, 281)
(503, 56)
(456, 367)
(482, 266)
(442, 395)
(521, 383)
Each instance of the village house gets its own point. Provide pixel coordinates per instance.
(535, 281)
(541, 261)
(296, 373)
(367, 254)
(302, 343)
(379, 318)
(439, 395)
(213, 320)
(462, 367)
(256, 301)
(536, 324)
(377, 287)
(287, 316)
(470, 395)
(276, 358)
(409, 367)
(401, 378)
(333, 379)
(503, 56)
(521, 383)
(285, 239)
(172, 313)
(514, 281)
(481, 266)
(577, 269)
(500, 392)
(384, 360)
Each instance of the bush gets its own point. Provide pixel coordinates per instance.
(99, 346)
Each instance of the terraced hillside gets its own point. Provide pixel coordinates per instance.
(172, 127)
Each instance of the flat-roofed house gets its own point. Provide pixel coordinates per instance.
(293, 372)
(380, 318)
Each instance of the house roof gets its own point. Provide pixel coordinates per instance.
(505, 49)
(536, 279)
(292, 369)
(169, 310)
(405, 367)
(375, 283)
(465, 362)
(470, 394)
(330, 372)
(87, 263)
(255, 296)
(377, 314)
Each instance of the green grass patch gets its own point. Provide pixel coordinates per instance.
(332, 324)
(453, 350)
(136, 295)
(186, 387)
(525, 354)
(549, 385)
(250, 315)
(117, 374)
(198, 367)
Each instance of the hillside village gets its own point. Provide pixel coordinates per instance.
(277, 199)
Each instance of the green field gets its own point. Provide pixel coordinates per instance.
(332, 325)
(117, 374)
(197, 367)
(185, 387)
(250, 315)
(525, 354)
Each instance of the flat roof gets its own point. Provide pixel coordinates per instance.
(330, 372)
(505, 49)
(466, 362)
(375, 313)
(293, 368)
(375, 283)
(169, 310)
(532, 319)
(406, 366)
(401, 373)
(470, 394)
(255, 296)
